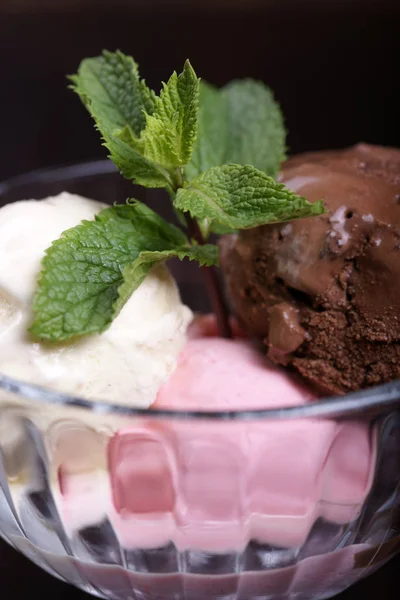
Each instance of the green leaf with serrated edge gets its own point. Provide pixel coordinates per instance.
(82, 272)
(241, 124)
(110, 83)
(172, 128)
(242, 197)
(212, 137)
(133, 165)
(117, 99)
(259, 138)
(137, 271)
(148, 137)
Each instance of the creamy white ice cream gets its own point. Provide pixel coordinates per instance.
(126, 364)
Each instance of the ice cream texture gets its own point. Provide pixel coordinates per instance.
(128, 362)
(204, 485)
(322, 292)
(214, 485)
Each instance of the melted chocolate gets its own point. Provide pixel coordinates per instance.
(323, 293)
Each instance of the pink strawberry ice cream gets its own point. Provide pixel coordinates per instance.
(215, 485)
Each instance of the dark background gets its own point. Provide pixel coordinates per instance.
(333, 65)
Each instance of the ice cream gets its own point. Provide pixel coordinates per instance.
(215, 486)
(210, 486)
(128, 362)
(322, 292)
(175, 500)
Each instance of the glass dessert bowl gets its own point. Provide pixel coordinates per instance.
(296, 501)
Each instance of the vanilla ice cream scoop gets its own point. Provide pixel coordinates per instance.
(127, 363)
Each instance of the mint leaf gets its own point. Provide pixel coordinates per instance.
(257, 132)
(175, 116)
(125, 152)
(112, 90)
(171, 130)
(83, 271)
(212, 137)
(118, 100)
(241, 124)
(242, 197)
(136, 272)
(148, 137)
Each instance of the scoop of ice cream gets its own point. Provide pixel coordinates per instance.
(127, 363)
(215, 485)
(322, 293)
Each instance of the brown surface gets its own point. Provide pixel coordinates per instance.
(21, 580)
(322, 293)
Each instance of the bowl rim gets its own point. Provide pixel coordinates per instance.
(365, 403)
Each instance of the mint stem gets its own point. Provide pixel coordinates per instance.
(212, 283)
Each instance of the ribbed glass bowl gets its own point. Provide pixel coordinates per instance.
(202, 507)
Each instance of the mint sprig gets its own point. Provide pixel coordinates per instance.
(149, 137)
(92, 270)
(215, 152)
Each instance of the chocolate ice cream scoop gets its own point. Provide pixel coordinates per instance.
(324, 293)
